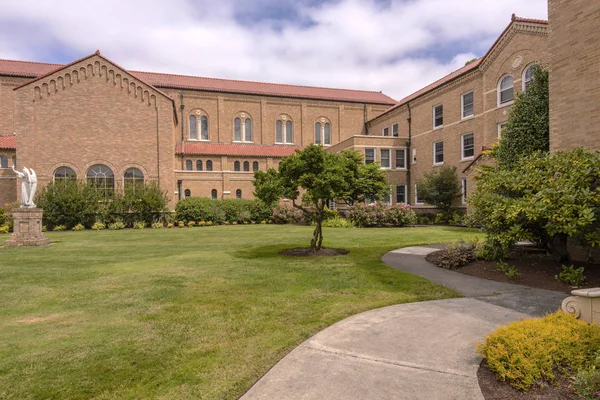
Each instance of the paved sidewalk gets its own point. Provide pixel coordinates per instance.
(416, 351)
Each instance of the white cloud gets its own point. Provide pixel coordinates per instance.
(397, 47)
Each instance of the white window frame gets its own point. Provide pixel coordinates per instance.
(374, 155)
(462, 146)
(391, 196)
(442, 124)
(500, 125)
(397, 130)
(434, 161)
(384, 130)
(389, 151)
(396, 158)
(405, 193)
(417, 202)
(507, 103)
(463, 184)
(527, 68)
(414, 156)
(462, 105)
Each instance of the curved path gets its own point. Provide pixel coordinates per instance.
(408, 351)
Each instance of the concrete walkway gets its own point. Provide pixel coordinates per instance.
(409, 351)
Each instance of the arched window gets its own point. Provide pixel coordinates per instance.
(279, 131)
(204, 127)
(64, 174)
(213, 194)
(506, 90)
(102, 179)
(284, 130)
(246, 166)
(528, 76)
(242, 128)
(133, 179)
(289, 132)
(3, 162)
(323, 131)
(255, 166)
(14, 161)
(193, 128)
(209, 165)
(198, 165)
(236, 166)
(238, 194)
(189, 165)
(187, 192)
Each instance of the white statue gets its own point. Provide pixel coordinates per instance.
(28, 186)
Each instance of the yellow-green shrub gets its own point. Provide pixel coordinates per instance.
(531, 350)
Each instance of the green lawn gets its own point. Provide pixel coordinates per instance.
(184, 313)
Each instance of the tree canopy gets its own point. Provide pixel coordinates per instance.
(440, 188)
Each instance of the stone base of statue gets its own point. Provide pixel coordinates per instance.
(27, 229)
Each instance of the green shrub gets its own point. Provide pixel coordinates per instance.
(533, 350)
(3, 228)
(338, 222)
(59, 228)
(397, 215)
(157, 225)
(79, 227)
(3, 216)
(440, 188)
(219, 211)
(68, 203)
(116, 225)
(491, 250)
(457, 255)
(139, 225)
(509, 270)
(98, 226)
(181, 224)
(44, 228)
(587, 382)
(571, 275)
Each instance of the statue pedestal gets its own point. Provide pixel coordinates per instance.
(27, 230)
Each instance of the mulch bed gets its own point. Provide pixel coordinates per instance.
(492, 389)
(537, 269)
(307, 252)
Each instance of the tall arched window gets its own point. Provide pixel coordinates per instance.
(102, 179)
(236, 166)
(199, 123)
(64, 174)
(198, 165)
(238, 194)
(209, 166)
(133, 179)
(14, 161)
(255, 166)
(284, 130)
(528, 76)
(3, 162)
(193, 128)
(189, 165)
(187, 192)
(213, 194)
(506, 90)
(246, 166)
(242, 128)
(323, 131)
(204, 127)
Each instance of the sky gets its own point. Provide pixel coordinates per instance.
(393, 46)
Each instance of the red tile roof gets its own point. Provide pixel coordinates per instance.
(242, 150)
(8, 142)
(35, 69)
(530, 20)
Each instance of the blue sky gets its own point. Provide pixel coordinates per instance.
(396, 46)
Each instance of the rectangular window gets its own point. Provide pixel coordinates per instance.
(395, 130)
(417, 201)
(369, 156)
(401, 159)
(468, 145)
(331, 204)
(414, 156)
(467, 105)
(385, 158)
(438, 153)
(464, 190)
(401, 194)
(500, 128)
(438, 116)
(385, 131)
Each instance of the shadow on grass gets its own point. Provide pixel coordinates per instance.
(264, 252)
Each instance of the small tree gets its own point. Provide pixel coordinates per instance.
(528, 128)
(440, 188)
(314, 177)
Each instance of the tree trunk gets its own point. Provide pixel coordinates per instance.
(317, 240)
(557, 247)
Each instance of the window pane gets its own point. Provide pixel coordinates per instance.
(209, 166)
(468, 145)
(467, 105)
(369, 156)
(439, 152)
(328, 133)
(238, 194)
(64, 173)
(318, 133)
(204, 127)
(386, 132)
(248, 130)
(395, 130)
(246, 166)
(3, 162)
(14, 161)
(188, 192)
(101, 178)
(289, 132)
(237, 130)
(507, 91)
(464, 190)
(385, 158)
(236, 166)
(279, 131)
(188, 165)
(438, 116)
(255, 166)
(401, 158)
(133, 178)
(401, 194)
(213, 194)
(199, 165)
(193, 127)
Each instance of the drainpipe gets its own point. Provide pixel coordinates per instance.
(409, 156)
(365, 119)
(182, 107)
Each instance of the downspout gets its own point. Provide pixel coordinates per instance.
(409, 156)
(365, 119)
(157, 147)
(182, 107)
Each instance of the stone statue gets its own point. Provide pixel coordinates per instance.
(28, 186)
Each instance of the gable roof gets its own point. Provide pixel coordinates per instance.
(243, 150)
(8, 142)
(461, 71)
(28, 69)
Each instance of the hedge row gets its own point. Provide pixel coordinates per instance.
(220, 211)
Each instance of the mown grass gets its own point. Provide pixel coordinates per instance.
(196, 313)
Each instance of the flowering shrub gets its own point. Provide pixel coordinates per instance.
(288, 215)
(397, 215)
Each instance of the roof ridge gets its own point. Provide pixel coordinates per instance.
(31, 62)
